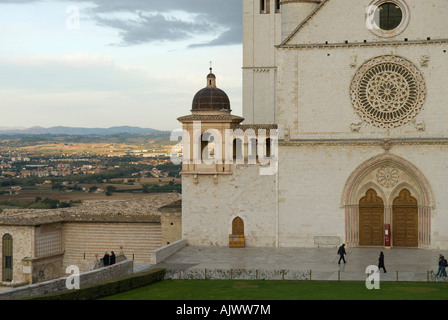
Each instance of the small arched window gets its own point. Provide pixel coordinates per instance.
(206, 141)
(253, 144)
(237, 149)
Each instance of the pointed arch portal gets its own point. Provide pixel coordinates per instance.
(388, 190)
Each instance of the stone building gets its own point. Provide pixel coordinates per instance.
(39, 245)
(348, 103)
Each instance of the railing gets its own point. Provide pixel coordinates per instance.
(298, 275)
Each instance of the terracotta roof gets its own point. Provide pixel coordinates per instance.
(176, 205)
(143, 209)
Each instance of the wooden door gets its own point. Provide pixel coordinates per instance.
(371, 220)
(238, 227)
(405, 220)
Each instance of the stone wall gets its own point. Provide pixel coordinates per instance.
(22, 247)
(83, 241)
(160, 254)
(118, 270)
(210, 204)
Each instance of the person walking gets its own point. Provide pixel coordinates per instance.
(381, 262)
(112, 258)
(442, 263)
(106, 260)
(341, 253)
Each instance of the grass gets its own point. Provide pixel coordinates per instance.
(283, 290)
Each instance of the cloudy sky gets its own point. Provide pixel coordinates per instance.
(102, 63)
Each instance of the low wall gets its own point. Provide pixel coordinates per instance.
(121, 269)
(164, 252)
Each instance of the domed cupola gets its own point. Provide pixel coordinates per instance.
(211, 99)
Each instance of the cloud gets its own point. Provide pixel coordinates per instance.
(71, 73)
(149, 21)
(217, 20)
(155, 27)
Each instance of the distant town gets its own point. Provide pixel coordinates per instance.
(76, 168)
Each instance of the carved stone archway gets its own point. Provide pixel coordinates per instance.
(387, 175)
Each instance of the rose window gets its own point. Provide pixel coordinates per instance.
(387, 176)
(388, 91)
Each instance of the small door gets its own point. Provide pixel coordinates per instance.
(371, 220)
(238, 227)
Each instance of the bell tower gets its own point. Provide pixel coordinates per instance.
(205, 132)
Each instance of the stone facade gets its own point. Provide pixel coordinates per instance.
(359, 107)
(46, 242)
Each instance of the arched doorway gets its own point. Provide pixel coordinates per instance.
(371, 220)
(370, 175)
(238, 227)
(7, 257)
(405, 220)
(236, 239)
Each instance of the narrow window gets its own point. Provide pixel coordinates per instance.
(264, 6)
(237, 149)
(277, 6)
(7, 257)
(268, 148)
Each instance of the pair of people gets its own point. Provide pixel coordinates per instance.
(109, 259)
(342, 253)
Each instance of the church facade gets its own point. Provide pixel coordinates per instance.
(346, 103)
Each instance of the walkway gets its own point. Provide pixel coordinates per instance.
(412, 264)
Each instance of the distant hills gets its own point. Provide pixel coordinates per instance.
(78, 131)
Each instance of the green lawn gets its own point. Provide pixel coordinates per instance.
(283, 290)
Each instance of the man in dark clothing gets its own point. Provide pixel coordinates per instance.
(112, 258)
(341, 253)
(106, 259)
(381, 262)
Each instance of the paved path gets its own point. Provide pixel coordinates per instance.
(412, 264)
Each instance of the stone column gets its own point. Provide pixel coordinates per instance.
(424, 226)
(352, 225)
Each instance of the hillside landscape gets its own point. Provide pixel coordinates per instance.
(75, 164)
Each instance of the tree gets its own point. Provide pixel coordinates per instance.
(146, 187)
(110, 190)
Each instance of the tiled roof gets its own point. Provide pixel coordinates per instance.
(143, 209)
(218, 117)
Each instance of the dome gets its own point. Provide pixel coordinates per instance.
(211, 98)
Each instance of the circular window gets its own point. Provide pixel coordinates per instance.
(387, 18)
(388, 91)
